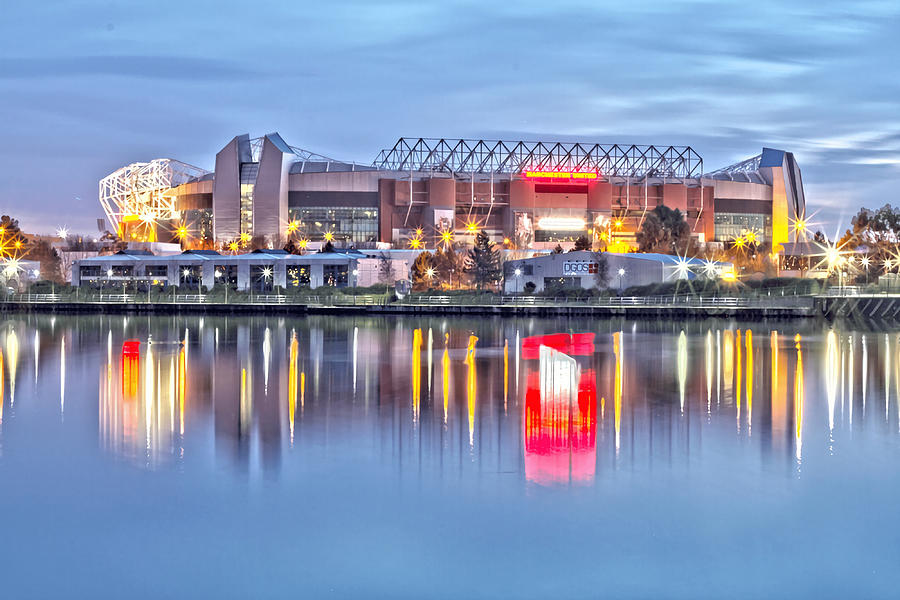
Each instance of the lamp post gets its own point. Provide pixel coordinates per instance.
(621, 274)
(518, 272)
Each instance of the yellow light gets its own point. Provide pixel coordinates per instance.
(800, 225)
(329, 236)
(750, 236)
(472, 227)
(739, 242)
(728, 275)
(233, 246)
(415, 243)
(245, 238)
(429, 272)
(507, 241)
(292, 226)
(447, 236)
(302, 243)
(181, 232)
(18, 243)
(618, 224)
(419, 232)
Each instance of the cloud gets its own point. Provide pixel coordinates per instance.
(149, 67)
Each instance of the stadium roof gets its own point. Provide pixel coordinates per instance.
(497, 156)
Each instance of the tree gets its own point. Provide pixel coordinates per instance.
(582, 243)
(385, 269)
(664, 230)
(558, 249)
(601, 278)
(448, 266)
(51, 265)
(423, 272)
(483, 261)
(327, 248)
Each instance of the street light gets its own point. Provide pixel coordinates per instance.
(621, 274)
(518, 272)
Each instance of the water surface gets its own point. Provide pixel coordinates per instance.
(407, 457)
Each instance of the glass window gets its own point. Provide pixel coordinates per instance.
(189, 277)
(335, 275)
(248, 186)
(262, 278)
(226, 275)
(729, 226)
(347, 224)
(156, 271)
(298, 276)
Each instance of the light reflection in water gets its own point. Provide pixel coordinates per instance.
(12, 357)
(154, 396)
(798, 399)
(682, 366)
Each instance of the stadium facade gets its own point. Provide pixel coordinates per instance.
(523, 194)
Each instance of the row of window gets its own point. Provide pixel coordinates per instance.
(351, 224)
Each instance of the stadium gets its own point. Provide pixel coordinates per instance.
(421, 193)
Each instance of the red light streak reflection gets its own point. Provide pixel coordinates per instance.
(560, 430)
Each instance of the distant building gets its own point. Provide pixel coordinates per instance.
(583, 270)
(525, 195)
(261, 270)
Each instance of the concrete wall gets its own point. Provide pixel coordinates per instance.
(270, 197)
(227, 190)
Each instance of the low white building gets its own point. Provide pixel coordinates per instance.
(582, 269)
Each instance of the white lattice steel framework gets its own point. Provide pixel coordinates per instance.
(144, 190)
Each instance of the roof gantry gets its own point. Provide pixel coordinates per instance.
(497, 156)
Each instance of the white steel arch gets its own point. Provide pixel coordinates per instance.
(144, 190)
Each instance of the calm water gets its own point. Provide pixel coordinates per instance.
(348, 457)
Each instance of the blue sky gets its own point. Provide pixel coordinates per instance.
(86, 87)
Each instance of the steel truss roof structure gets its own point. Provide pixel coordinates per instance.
(144, 190)
(496, 156)
(746, 171)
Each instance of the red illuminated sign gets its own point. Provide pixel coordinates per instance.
(559, 175)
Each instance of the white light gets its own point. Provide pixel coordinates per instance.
(36, 272)
(518, 272)
(218, 274)
(109, 272)
(355, 272)
(561, 223)
(621, 272)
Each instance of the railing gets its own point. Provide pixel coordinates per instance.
(327, 300)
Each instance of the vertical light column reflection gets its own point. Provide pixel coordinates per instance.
(62, 375)
(182, 383)
(682, 366)
(430, 350)
(865, 373)
(267, 355)
(738, 376)
(471, 388)
(505, 374)
(2, 383)
(709, 371)
(798, 399)
(293, 383)
(887, 376)
(831, 376)
(718, 367)
(12, 357)
(618, 350)
(749, 342)
(37, 353)
(416, 373)
(850, 380)
(445, 374)
(355, 356)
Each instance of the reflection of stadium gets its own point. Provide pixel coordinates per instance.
(525, 194)
(555, 408)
